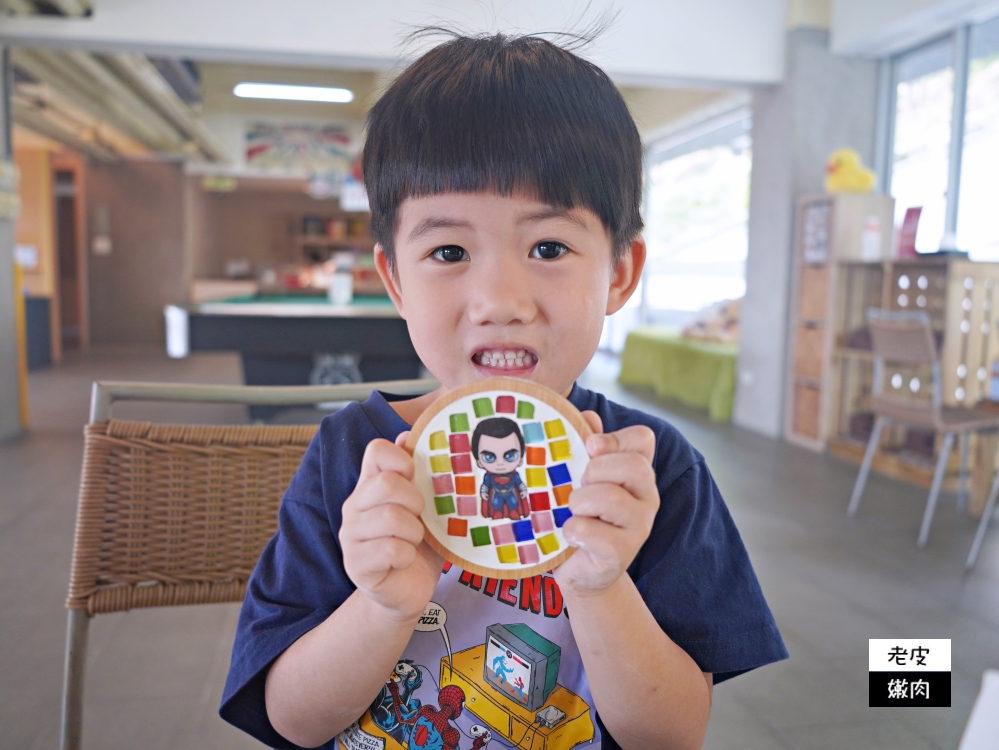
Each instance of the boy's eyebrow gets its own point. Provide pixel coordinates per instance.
(437, 222)
(552, 212)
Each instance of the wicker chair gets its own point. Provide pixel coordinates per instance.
(906, 338)
(177, 514)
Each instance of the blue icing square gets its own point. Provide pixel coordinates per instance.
(522, 530)
(561, 516)
(534, 432)
(559, 474)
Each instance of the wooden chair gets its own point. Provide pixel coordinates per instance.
(177, 514)
(906, 339)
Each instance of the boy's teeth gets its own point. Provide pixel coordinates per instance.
(502, 359)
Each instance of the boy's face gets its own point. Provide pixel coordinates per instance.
(499, 455)
(493, 285)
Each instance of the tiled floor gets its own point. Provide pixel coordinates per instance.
(154, 676)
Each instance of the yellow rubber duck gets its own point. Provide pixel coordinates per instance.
(845, 173)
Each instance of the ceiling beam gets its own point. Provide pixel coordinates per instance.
(35, 120)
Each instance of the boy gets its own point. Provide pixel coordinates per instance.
(504, 176)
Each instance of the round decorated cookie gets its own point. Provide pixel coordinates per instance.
(496, 461)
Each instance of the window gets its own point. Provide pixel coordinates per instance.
(977, 227)
(924, 98)
(696, 212)
(943, 140)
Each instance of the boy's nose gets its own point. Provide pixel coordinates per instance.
(501, 294)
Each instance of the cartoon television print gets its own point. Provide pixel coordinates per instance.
(496, 461)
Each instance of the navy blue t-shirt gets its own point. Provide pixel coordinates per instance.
(693, 574)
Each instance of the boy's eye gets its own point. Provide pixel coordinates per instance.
(487, 456)
(549, 250)
(511, 455)
(450, 254)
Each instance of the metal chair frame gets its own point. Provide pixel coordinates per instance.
(104, 395)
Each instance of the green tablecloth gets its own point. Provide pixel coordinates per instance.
(700, 374)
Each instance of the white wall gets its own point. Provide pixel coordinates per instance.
(881, 27)
(653, 41)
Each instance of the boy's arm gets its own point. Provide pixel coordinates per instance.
(326, 679)
(647, 690)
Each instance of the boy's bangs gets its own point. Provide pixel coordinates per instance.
(510, 116)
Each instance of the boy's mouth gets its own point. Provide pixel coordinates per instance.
(505, 359)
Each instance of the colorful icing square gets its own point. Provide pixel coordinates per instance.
(548, 543)
(483, 407)
(507, 554)
(525, 410)
(528, 554)
(536, 478)
(443, 484)
(440, 464)
(536, 457)
(465, 485)
(506, 404)
(438, 440)
(459, 443)
(503, 534)
(444, 504)
(562, 493)
(459, 422)
(480, 536)
(533, 432)
(542, 522)
(554, 429)
(560, 450)
(457, 527)
(540, 501)
(561, 516)
(522, 530)
(462, 463)
(559, 474)
(468, 506)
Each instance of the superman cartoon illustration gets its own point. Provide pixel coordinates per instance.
(498, 447)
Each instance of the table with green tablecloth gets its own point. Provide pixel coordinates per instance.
(696, 373)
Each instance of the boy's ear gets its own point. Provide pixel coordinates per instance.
(627, 275)
(390, 279)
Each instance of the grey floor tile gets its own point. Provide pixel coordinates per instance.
(860, 735)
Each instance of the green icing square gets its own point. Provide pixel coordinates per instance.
(459, 422)
(480, 536)
(483, 407)
(444, 504)
(525, 410)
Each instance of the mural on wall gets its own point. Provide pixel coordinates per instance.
(318, 149)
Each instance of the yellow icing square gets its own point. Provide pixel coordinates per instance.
(560, 450)
(554, 429)
(507, 553)
(440, 464)
(438, 440)
(537, 478)
(548, 543)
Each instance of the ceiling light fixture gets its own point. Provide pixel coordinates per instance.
(248, 90)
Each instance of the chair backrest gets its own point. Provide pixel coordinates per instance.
(902, 337)
(178, 514)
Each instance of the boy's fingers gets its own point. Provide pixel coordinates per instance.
(609, 503)
(635, 439)
(389, 520)
(401, 438)
(593, 536)
(594, 421)
(629, 470)
(381, 455)
(382, 488)
(380, 555)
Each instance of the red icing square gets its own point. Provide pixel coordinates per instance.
(540, 501)
(506, 405)
(457, 527)
(462, 463)
(459, 443)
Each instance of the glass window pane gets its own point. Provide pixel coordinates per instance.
(924, 97)
(977, 227)
(696, 214)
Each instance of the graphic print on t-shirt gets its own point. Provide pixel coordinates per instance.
(492, 664)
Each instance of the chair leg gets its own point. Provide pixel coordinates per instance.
(990, 509)
(962, 490)
(77, 627)
(938, 476)
(865, 466)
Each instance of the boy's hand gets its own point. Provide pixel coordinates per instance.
(612, 510)
(382, 535)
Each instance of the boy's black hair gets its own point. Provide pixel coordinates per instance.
(507, 114)
(497, 427)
